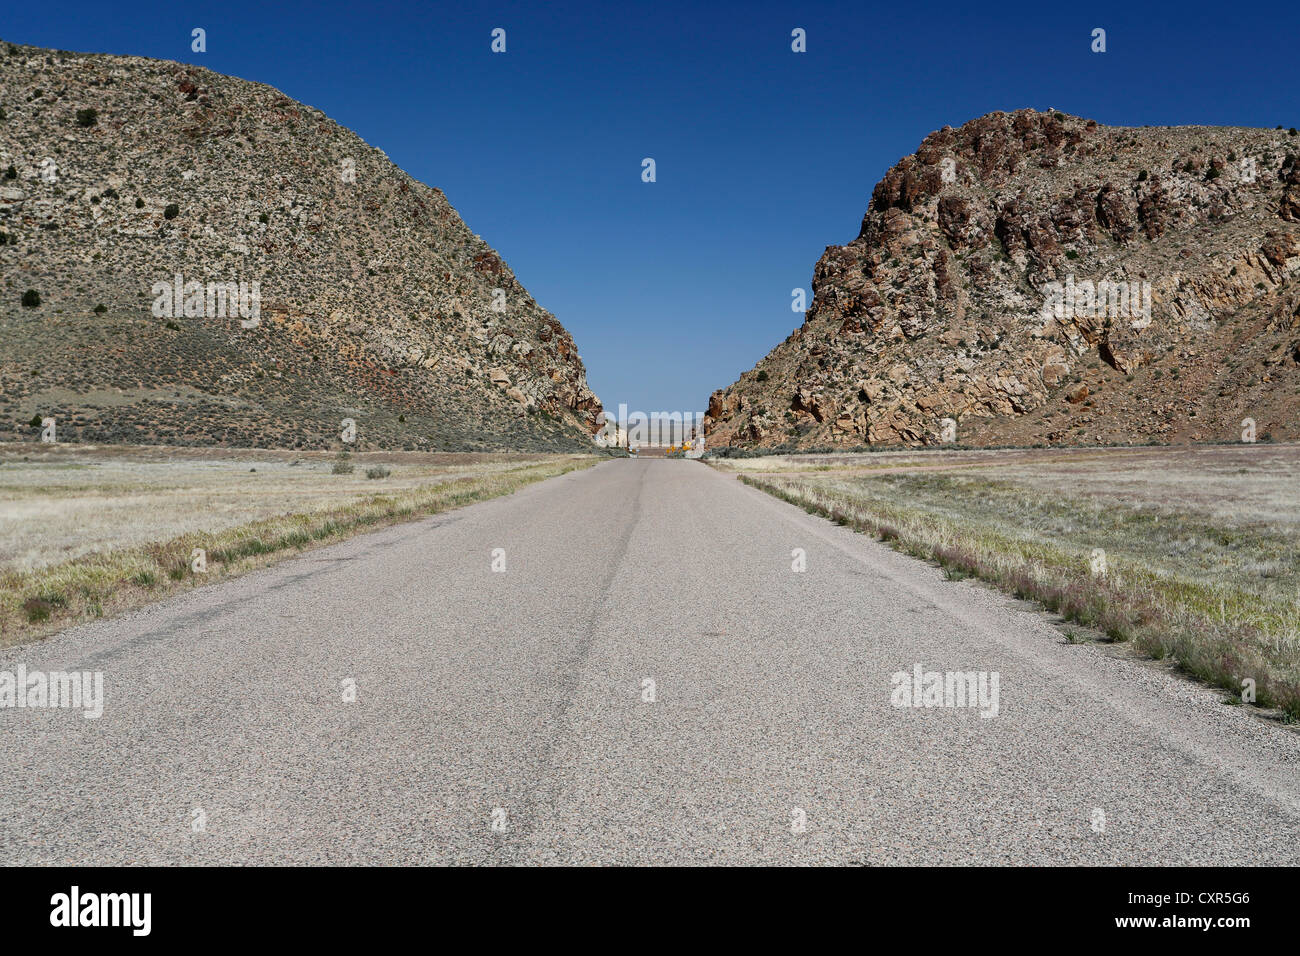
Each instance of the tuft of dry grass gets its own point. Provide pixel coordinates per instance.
(1202, 555)
(36, 601)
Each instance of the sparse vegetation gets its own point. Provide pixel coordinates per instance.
(124, 375)
(343, 464)
(1205, 579)
(141, 550)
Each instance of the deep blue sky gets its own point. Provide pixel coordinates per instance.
(764, 156)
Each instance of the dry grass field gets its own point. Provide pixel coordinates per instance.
(86, 530)
(1191, 553)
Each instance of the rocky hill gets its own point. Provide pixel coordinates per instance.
(1039, 278)
(365, 295)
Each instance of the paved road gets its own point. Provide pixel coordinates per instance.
(522, 692)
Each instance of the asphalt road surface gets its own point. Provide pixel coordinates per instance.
(502, 716)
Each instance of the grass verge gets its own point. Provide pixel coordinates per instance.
(1223, 629)
(36, 603)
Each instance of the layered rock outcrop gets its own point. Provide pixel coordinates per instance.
(1040, 278)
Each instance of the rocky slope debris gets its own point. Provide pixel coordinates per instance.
(1039, 278)
(375, 301)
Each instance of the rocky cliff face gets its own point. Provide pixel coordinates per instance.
(1037, 277)
(373, 300)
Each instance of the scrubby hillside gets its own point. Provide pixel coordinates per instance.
(376, 302)
(965, 295)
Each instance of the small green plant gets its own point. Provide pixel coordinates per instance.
(87, 118)
(37, 611)
(11, 172)
(762, 375)
(378, 471)
(343, 464)
(139, 203)
(172, 211)
(31, 299)
(100, 309)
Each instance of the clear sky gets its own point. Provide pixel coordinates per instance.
(763, 156)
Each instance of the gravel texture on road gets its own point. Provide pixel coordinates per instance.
(501, 716)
